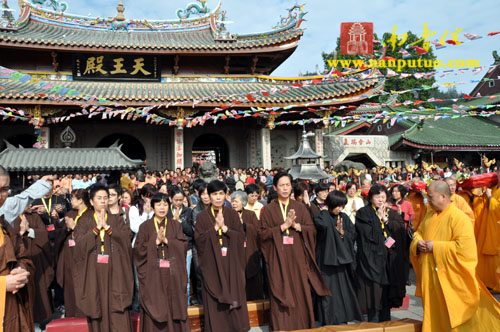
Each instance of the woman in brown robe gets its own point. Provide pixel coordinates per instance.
(36, 241)
(160, 255)
(254, 287)
(288, 238)
(219, 240)
(102, 270)
(64, 275)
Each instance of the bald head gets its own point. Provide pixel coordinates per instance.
(439, 195)
(440, 187)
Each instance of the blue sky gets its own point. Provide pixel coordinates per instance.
(322, 26)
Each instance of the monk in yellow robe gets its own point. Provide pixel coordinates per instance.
(488, 238)
(459, 201)
(444, 256)
(417, 201)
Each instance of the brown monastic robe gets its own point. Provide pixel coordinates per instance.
(254, 278)
(291, 268)
(64, 273)
(39, 251)
(103, 291)
(18, 309)
(162, 290)
(223, 289)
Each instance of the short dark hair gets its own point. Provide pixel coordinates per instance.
(278, 176)
(375, 190)
(157, 198)
(216, 185)
(95, 188)
(299, 188)
(174, 190)
(335, 199)
(199, 185)
(350, 184)
(117, 188)
(148, 190)
(321, 187)
(252, 188)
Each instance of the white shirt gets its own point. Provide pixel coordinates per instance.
(255, 208)
(358, 202)
(137, 219)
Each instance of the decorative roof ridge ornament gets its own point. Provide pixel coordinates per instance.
(119, 22)
(7, 19)
(194, 9)
(295, 16)
(58, 6)
(120, 9)
(68, 137)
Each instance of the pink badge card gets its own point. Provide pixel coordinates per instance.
(245, 244)
(71, 243)
(50, 228)
(164, 263)
(389, 242)
(287, 240)
(223, 251)
(103, 259)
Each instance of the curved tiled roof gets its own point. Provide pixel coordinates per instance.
(213, 93)
(41, 28)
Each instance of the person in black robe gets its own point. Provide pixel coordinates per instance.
(336, 260)
(381, 250)
(318, 204)
(219, 240)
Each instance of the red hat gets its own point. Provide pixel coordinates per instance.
(418, 186)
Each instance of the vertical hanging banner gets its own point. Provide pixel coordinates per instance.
(179, 148)
(44, 138)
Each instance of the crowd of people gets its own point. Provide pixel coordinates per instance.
(101, 246)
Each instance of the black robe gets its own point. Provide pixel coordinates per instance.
(380, 269)
(336, 259)
(254, 282)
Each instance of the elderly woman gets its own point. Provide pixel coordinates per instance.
(381, 239)
(253, 272)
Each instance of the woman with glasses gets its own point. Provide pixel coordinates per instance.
(103, 277)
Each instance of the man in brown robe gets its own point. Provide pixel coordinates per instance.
(102, 269)
(288, 240)
(36, 241)
(160, 257)
(219, 241)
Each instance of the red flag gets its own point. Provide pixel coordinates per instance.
(419, 50)
(284, 90)
(264, 93)
(418, 102)
(493, 33)
(466, 96)
(250, 97)
(297, 85)
(453, 42)
(493, 97)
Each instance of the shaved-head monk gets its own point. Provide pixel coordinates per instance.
(459, 201)
(444, 256)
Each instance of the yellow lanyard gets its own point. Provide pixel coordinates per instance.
(220, 230)
(283, 212)
(172, 209)
(102, 232)
(157, 227)
(48, 208)
(76, 221)
(382, 223)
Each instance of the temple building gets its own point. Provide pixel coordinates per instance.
(171, 92)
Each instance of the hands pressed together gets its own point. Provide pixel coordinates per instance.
(425, 246)
(17, 279)
(290, 222)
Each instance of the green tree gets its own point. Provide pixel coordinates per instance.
(397, 83)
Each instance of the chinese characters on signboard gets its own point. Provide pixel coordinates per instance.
(116, 67)
(179, 148)
(358, 142)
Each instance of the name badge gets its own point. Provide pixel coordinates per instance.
(287, 240)
(223, 251)
(50, 228)
(71, 243)
(389, 242)
(245, 244)
(103, 259)
(164, 263)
